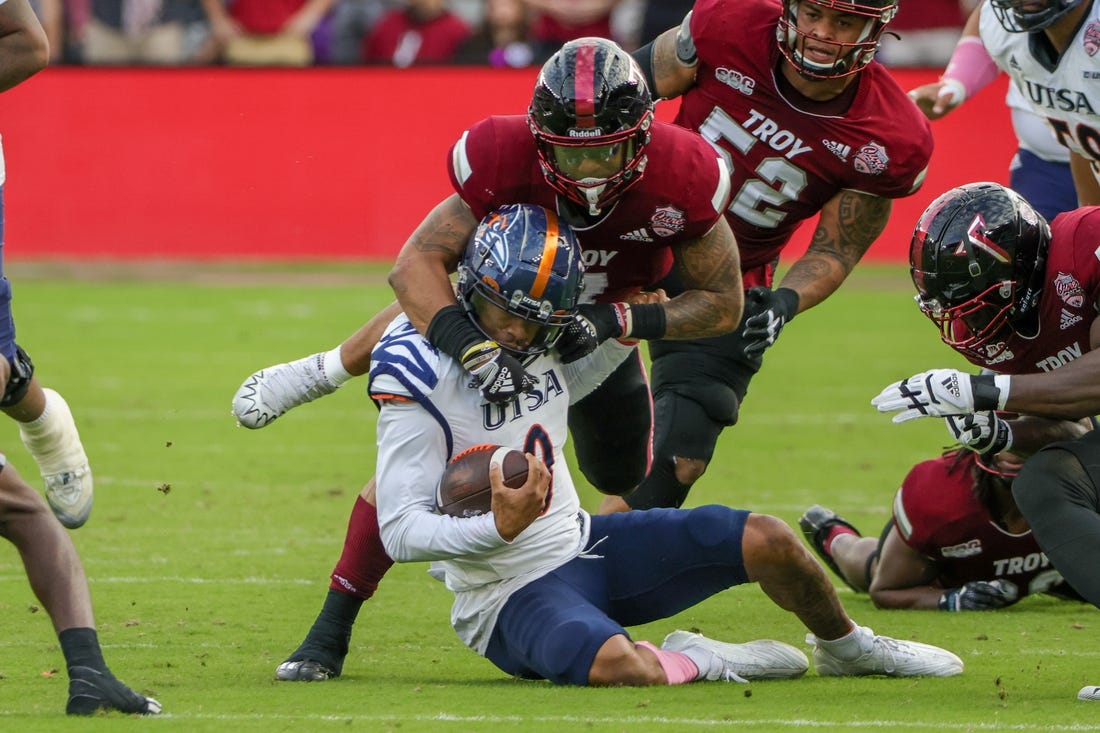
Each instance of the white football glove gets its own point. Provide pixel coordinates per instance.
(982, 432)
(942, 392)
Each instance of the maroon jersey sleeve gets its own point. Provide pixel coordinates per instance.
(495, 163)
(789, 155)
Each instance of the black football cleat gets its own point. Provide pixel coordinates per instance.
(91, 690)
(816, 523)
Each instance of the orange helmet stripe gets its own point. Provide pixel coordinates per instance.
(549, 252)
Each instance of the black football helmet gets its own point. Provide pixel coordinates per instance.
(1026, 16)
(849, 58)
(522, 259)
(978, 260)
(590, 115)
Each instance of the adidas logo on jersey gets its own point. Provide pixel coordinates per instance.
(840, 150)
(1013, 63)
(1068, 319)
(638, 235)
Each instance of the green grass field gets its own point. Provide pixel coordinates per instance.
(210, 545)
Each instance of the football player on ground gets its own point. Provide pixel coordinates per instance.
(1018, 298)
(543, 589)
(810, 125)
(45, 423)
(956, 540)
(49, 557)
(643, 196)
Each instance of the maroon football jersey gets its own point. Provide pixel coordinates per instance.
(789, 155)
(680, 196)
(1068, 304)
(938, 515)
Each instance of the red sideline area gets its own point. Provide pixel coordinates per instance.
(314, 163)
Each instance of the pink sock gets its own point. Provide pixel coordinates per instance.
(834, 532)
(364, 560)
(677, 666)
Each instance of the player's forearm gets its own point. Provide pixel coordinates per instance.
(1069, 392)
(1084, 180)
(848, 225)
(412, 534)
(421, 274)
(703, 314)
(918, 598)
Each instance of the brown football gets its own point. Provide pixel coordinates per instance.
(464, 489)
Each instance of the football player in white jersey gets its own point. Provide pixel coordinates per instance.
(537, 565)
(1048, 50)
(1039, 170)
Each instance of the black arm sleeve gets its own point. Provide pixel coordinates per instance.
(644, 57)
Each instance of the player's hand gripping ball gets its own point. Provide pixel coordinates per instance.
(464, 489)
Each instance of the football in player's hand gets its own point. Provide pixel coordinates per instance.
(464, 489)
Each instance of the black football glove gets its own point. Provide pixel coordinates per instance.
(593, 324)
(766, 312)
(499, 374)
(980, 595)
(982, 432)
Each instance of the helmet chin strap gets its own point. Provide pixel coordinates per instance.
(592, 194)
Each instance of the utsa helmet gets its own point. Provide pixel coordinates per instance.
(525, 261)
(590, 114)
(849, 57)
(978, 260)
(1026, 16)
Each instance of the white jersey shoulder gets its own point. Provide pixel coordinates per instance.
(1064, 91)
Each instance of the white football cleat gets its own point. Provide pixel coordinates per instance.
(271, 392)
(1090, 692)
(886, 656)
(763, 659)
(54, 443)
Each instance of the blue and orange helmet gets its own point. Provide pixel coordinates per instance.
(522, 259)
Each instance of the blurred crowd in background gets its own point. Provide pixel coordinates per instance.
(402, 33)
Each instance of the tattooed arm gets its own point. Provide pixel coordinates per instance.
(849, 224)
(420, 275)
(710, 267)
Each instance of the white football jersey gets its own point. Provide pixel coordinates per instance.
(432, 411)
(1066, 92)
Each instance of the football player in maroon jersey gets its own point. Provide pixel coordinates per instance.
(810, 126)
(1018, 298)
(583, 149)
(956, 540)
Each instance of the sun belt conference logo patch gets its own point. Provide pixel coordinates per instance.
(871, 159)
(666, 221)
